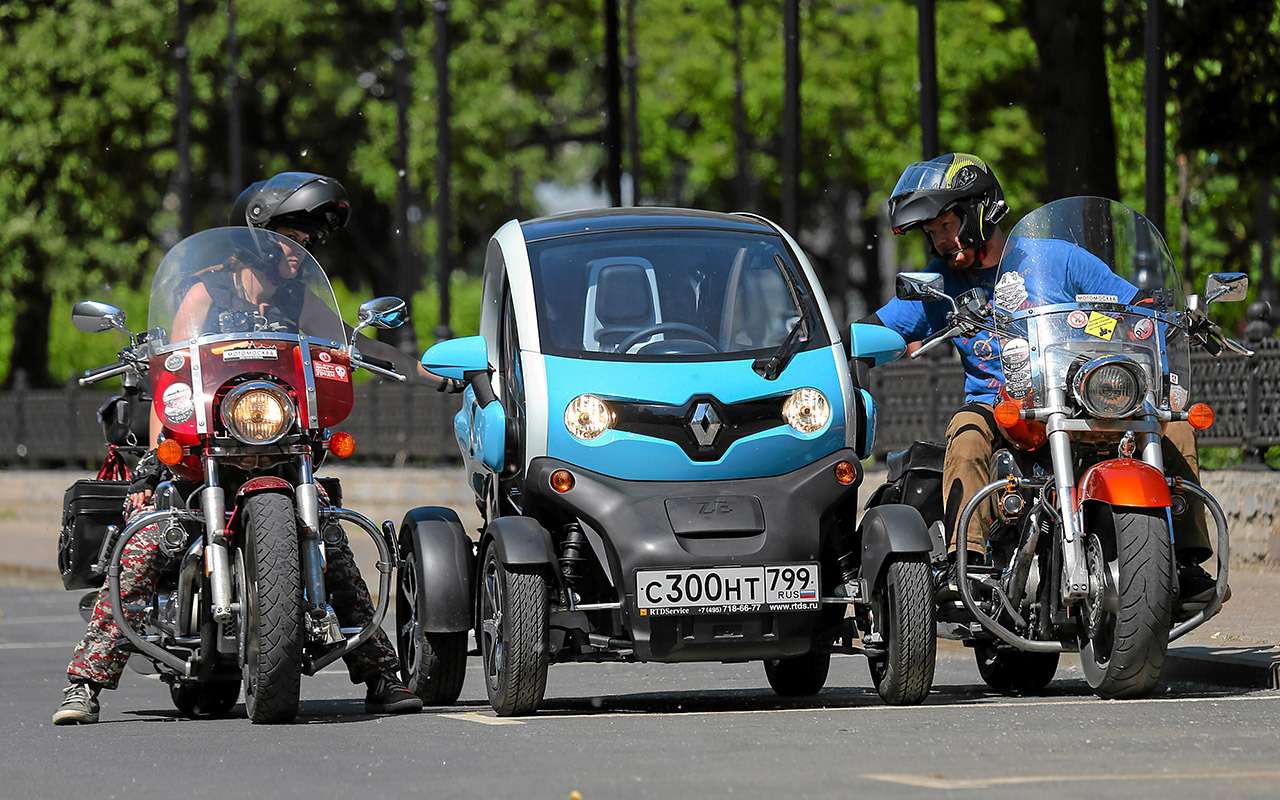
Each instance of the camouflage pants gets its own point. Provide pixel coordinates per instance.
(101, 655)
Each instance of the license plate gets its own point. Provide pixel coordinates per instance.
(727, 590)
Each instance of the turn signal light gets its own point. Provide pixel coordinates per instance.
(1200, 416)
(1008, 413)
(342, 444)
(845, 473)
(169, 452)
(562, 480)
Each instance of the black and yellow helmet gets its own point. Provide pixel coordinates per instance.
(953, 182)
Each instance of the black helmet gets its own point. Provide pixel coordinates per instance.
(955, 182)
(304, 200)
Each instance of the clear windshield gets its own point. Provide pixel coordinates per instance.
(669, 294)
(1086, 277)
(240, 280)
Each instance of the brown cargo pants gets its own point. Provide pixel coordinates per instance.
(972, 437)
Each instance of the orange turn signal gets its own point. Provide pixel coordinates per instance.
(342, 444)
(1008, 413)
(562, 480)
(845, 473)
(1200, 415)
(169, 452)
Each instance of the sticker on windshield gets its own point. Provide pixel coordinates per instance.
(251, 354)
(1174, 379)
(178, 406)
(1015, 353)
(1011, 291)
(1077, 319)
(174, 362)
(1177, 398)
(1143, 328)
(1101, 326)
(333, 372)
(1020, 388)
(1097, 298)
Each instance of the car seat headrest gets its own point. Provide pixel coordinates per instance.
(623, 297)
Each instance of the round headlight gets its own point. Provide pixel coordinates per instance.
(257, 413)
(807, 410)
(1109, 387)
(587, 417)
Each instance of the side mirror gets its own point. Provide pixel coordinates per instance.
(456, 358)
(383, 312)
(875, 342)
(91, 316)
(919, 286)
(1226, 287)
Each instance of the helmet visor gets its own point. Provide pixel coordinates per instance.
(921, 176)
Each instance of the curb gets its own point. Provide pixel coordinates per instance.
(1246, 667)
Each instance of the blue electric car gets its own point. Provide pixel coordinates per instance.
(664, 434)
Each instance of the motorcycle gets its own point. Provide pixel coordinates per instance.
(1080, 552)
(246, 393)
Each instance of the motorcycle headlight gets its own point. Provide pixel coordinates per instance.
(1109, 387)
(806, 410)
(257, 413)
(587, 417)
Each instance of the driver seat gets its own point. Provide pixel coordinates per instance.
(622, 298)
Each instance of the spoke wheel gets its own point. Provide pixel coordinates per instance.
(513, 618)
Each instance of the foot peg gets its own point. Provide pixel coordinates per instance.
(322, 624)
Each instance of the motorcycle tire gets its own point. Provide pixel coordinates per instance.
(514, 613)
(272, 610)
(903, 615)
(205, 699)
(1011, 671)
(433, 665)
(798, 676)
(1126, 657)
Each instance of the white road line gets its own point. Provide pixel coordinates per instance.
(482, 719)
(951, 784)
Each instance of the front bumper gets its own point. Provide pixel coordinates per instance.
(639, 529)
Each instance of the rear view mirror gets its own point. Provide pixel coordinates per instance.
(925, 286)
(875, 343)
(1226, 287)
(383, 312)
(457, 358)
(91, 316)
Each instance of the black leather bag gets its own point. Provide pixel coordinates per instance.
(915, 478)
(88, 508)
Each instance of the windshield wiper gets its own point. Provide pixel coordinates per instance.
(771, 366)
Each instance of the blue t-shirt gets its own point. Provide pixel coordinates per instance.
(1052, 271)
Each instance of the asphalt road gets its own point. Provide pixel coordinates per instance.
(631, 731)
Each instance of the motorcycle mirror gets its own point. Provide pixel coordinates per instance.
(1226, 287)
(925, 286)
(383, 312)
(92, 316)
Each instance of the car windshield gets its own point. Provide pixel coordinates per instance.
(237, 281)
(669, 294)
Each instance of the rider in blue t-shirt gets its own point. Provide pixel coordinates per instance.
(957, 201)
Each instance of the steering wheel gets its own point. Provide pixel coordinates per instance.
(667, 327)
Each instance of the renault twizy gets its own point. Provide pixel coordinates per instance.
(663, 435)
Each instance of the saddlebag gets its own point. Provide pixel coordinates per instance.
(88, 507)
(915, 478)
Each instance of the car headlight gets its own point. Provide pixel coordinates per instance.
(257, 413)
(1109, 387)
(807, 410)
(587, 417)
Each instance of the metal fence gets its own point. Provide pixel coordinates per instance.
(396, 424)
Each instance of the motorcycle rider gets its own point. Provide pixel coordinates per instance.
(305, 208)
(956, 200)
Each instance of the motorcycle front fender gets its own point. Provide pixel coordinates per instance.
(1124, 482)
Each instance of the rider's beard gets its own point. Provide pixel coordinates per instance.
(963, 258)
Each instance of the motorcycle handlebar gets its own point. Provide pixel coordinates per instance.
(378, 366)
(102, 373)
(938, 338)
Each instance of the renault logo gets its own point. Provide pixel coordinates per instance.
(704, 424)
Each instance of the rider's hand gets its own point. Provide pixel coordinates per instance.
(136, 500)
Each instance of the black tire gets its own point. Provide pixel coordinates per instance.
(903, 615)
(271, 615)
(1010, 671)
(433, 665)
(215, 699)
(513, 613)
(798, 676)
(1123, 653)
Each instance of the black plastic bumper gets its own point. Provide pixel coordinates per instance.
(753, 521)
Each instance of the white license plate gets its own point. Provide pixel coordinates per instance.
(727, 590)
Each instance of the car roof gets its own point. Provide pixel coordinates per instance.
(614, 219)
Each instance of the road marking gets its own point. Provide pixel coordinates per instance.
(978, 706)
(950, 784)
(482, 719)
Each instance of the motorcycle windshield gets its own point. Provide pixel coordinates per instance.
(1086, 277)
(235, 281)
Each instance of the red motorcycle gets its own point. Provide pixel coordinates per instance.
(250, 367)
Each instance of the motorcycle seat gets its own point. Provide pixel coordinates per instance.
(919, 456)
